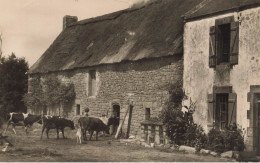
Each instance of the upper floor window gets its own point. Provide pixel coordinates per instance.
(92, 83)
(223, 42)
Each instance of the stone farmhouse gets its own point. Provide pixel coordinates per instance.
(120, 60)
(222, 65)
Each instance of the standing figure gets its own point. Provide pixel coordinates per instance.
(86, 112)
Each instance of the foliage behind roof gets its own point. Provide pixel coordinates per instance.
(154, 30)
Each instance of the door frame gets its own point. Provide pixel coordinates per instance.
(252, 130)
(257, 119)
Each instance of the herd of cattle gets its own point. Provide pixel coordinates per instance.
(85, 124)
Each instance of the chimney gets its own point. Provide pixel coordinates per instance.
(68, 20)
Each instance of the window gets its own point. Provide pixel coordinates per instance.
(221, 110)
(147, 114)
(78, 110)
(92, 82)
(223, 42)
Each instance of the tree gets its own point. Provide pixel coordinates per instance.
(48, 92)
(13, 84)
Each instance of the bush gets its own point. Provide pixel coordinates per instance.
(228, 139)
(172, 115)
(180, 127)
(175, 125)
(195, 137)
(215, 141)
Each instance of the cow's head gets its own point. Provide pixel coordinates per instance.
(107, 129)
(113, 121)
(71, 125)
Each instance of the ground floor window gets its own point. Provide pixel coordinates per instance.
(221, 118)
(221, 110)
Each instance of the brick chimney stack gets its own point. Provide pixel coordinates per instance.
(68, 20)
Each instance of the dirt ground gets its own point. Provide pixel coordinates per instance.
(32, 148)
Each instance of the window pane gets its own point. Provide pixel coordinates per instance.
(221, 111)
(224, 42)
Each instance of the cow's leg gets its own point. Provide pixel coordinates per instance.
(82, 133)
(26, 129)
(91, 133)
(96, 135)
(85, 134)
(47, 132)
(57, 133)
(43, 127)
(13, 126)
(80, 139)
(62, 130)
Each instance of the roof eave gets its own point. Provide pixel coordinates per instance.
(101, 64)
(235, 9)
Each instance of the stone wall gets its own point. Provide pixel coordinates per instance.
(199, 79)
(140, 83)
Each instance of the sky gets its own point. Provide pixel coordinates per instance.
(28, 27)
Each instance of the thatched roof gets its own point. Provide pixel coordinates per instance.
(151, 31)
(213, 7)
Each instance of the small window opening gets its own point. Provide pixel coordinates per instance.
(147, 113)
(92, 82)
(78, 110)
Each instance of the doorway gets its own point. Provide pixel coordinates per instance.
(116, 116)
(129, 122)
(116, 111)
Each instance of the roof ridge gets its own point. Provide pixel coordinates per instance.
(110, 16)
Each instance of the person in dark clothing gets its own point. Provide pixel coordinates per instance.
(86, 112)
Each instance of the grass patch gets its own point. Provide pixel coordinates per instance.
(37, 152)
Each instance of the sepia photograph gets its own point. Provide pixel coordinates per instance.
(129, 80)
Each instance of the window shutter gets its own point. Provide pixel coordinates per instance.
(210, 121)
(212, 47)
(232, 108)
(234, 43)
